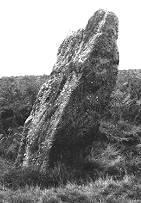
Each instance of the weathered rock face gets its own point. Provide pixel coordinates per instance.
(65, 117)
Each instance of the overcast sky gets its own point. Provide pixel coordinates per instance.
(32, 30)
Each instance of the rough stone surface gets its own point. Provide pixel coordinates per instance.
(65, 117)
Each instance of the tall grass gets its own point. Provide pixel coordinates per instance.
(102, 190)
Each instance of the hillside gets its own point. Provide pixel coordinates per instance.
(114, 172)
(17, 95)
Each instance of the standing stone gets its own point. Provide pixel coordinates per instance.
(65, 117)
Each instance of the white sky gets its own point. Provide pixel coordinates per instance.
(32, 30)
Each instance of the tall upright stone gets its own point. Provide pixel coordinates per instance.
(65, 117)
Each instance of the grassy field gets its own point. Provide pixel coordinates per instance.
(112, 171)
(102, 190)
(105, 188)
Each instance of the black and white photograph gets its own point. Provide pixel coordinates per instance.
(70, 101)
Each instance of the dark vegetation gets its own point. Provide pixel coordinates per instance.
(17, 95)
(112, 169)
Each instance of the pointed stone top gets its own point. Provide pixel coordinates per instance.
(102, 22)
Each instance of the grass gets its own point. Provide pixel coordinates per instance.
(111, 173)
(102, 190)
(105, 188)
